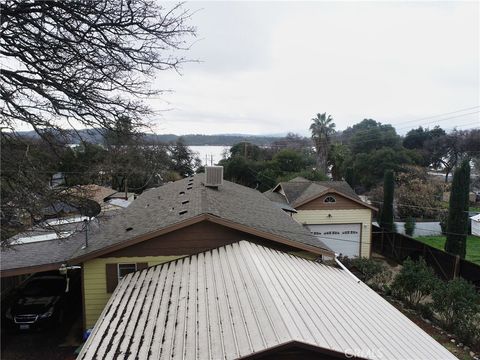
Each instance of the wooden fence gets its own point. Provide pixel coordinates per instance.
(447, 266)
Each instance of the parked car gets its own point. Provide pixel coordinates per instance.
(42, 300)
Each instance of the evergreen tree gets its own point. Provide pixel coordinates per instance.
(386, 217)
(350, 177)
(457, 222)
(322, 128)
(409, 226)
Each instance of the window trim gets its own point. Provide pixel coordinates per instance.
(118, 270)
(330, 197)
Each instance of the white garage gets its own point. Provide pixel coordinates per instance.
(342, 238)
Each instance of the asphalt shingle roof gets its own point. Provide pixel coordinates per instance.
(300, 189)
(184, 199)
(165, 206)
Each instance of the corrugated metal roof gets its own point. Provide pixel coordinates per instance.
(242, 299)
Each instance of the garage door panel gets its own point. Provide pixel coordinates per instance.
(342, 238)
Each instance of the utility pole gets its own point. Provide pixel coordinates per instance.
(126, 189)
(211, 159)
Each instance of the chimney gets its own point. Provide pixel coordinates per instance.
(213, 176)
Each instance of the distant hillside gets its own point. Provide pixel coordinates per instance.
(224, 140)
(94, 136)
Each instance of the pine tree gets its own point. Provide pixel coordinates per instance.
(457, 222)
(386, 217)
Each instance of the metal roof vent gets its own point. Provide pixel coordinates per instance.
(213, 176)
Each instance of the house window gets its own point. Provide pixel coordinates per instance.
(329, 199)
(124, 269)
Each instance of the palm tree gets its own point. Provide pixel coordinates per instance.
(322, 128)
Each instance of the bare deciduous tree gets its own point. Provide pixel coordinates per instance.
(75, 63)
(85, 62)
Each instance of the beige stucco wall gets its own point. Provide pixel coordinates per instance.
(354, 216)
(95, 294)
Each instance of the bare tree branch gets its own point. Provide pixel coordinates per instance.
(87, 61)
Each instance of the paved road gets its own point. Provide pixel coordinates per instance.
(422, 228)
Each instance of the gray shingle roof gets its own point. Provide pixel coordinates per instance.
(341, 187)
(242, 299)
(184, 199)
(300, 189)
(36, 254)
(168, 205)
(275, 197)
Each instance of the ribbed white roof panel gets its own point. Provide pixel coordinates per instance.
(243, 298)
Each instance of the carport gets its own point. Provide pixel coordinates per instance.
(19, 336)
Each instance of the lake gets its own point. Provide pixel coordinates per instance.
(210, 154)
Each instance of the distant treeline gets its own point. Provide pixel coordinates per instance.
(224, 140)
(95, 136)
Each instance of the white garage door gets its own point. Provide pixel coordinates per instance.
(342, 238)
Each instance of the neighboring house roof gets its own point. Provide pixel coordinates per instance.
(93, 192)
(42, 255)
(475, 217)
(244, 299)
(185, 202)
(187, 199)
(284, 207)
(59, 207)
(119, 202)
(299, 191)
(57, 228)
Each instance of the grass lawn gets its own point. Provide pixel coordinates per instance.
(473, 245)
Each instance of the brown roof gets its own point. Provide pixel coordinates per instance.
(176, 205)
(93, 192)
(299, 190)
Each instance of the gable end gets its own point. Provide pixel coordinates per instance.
(323, 202)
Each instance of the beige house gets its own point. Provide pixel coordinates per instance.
(331, 210)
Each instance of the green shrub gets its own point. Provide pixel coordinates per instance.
(374, 273)
(409, 226)
(456, 302)
(468, 331)
(425, 311)
(414, 282)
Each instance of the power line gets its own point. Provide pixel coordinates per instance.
(428, 117)
(443, 114)
(370, 139)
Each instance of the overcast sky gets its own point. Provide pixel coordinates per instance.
(269, 67)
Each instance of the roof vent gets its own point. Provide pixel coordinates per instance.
(213, 176)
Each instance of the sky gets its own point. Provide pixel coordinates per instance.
(269, 67)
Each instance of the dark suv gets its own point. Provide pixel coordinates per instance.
(42, 300)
